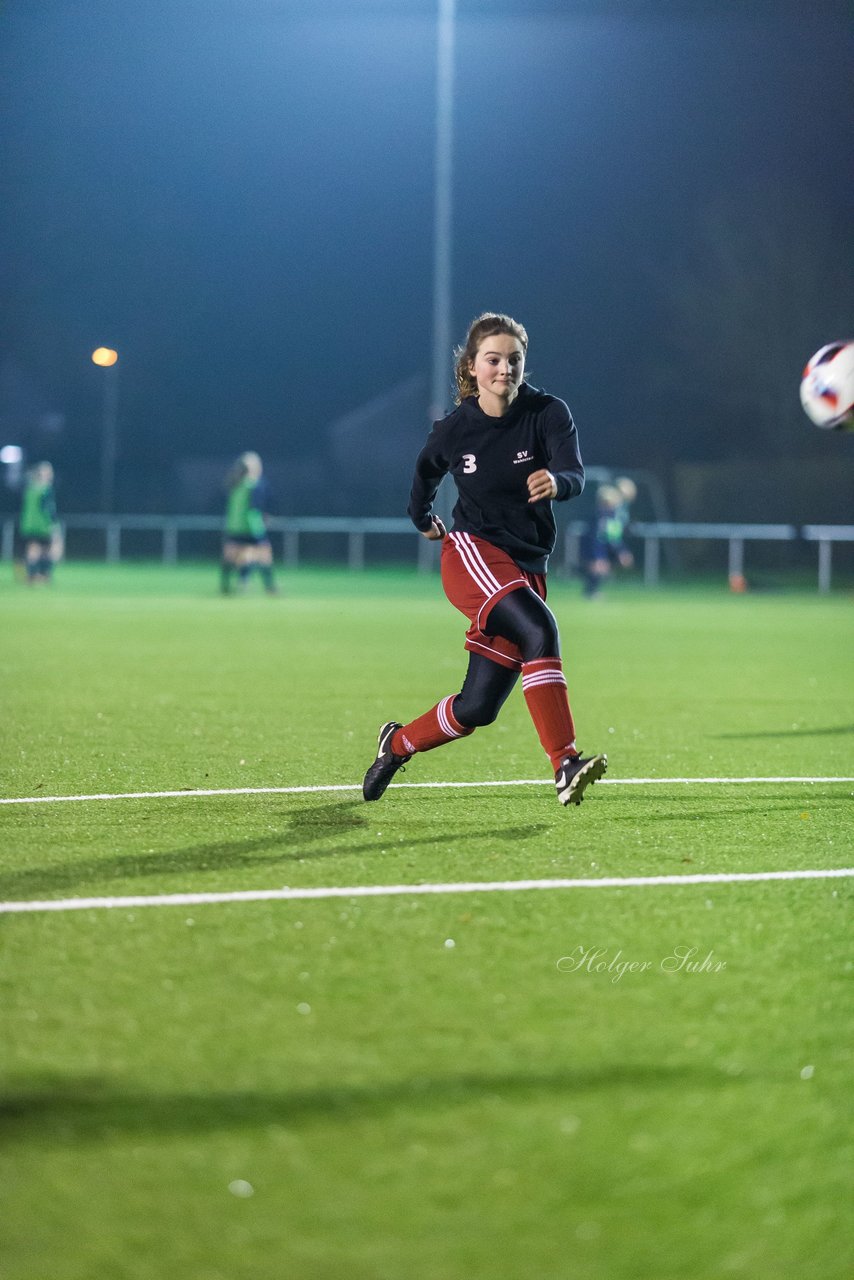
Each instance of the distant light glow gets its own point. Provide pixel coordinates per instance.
(104, 356)
(11, 454)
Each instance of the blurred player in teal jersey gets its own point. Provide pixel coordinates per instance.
(247, 544)
(603, 544)
(38, 525)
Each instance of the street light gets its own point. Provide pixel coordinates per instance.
(107, 359)
(443, 207)
(442, 235)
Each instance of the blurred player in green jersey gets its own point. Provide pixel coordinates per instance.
(246, 546)
(38, 525)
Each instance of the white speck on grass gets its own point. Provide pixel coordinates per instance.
(303, 1008)
(807, 1073)
(449, 943)
(241, 1188)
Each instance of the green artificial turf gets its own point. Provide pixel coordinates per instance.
(610, 1084)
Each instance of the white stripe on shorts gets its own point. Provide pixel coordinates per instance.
(475, 565)
(480, 572)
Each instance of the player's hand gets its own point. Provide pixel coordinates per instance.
(436, 532)
(541, 484)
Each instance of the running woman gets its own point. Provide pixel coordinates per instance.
(511, 450)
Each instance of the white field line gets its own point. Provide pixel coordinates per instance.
(396, 890)
(190, 793)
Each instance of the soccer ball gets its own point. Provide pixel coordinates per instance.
(827, 387)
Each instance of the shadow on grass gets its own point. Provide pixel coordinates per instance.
(313, 832)
(829, 731)
(77, 1110)
(679, 804)
(665, 812)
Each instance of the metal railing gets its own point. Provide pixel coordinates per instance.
(825, 535)
(288, 530)
(735, 535)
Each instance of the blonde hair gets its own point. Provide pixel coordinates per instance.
(252, 464)
(247, 466)
(491, 322)
(608, 496)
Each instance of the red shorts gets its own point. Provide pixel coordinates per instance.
(475, 576)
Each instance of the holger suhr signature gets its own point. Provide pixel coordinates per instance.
(682, 959)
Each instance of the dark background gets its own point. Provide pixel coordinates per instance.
(237, 195)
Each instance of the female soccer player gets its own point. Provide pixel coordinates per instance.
(39, 527)
(511, 450)
(247, 544)
(603, 542)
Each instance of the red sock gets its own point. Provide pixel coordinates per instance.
(433, 729)
(544, 686)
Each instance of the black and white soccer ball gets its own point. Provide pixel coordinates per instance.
(827, 387)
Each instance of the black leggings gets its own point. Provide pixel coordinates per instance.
(522, 617)
(484, 692)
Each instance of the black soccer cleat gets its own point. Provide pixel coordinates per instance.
(386, 764)
(576, 774)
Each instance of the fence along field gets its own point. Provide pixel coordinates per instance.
(199, 535)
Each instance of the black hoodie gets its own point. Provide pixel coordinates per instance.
(490, 460)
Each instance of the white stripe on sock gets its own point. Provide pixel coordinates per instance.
(543, 677)
(443, 711)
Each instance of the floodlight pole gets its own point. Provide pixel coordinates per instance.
(109, 437)
(443, 208)
(107, 359)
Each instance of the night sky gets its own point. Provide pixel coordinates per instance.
(238, 196)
